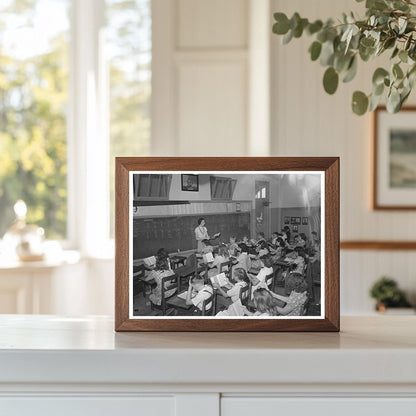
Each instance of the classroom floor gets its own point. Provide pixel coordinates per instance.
(141, 307)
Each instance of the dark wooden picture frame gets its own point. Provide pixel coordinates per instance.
(189, 188)
(328, 165)
(376, 205)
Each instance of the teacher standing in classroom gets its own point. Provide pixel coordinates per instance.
(201, 233)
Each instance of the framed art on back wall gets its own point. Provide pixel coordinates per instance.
(217, 259)
(394, 152)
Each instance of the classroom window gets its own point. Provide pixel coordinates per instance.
(152, 186)
(222, 188)
(33, 103)
(261, 192)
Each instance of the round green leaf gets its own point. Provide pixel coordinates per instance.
(315, 50)
(378, 89)
(351, 71)
(288, 37)
(330, 80)
(281, 27)
(397, 71)
(393, 101)
(379, 75)
(367, 42)
(314, 27)
(359, 103)
(341, 62)
(365, 53)
(374, 102)
(395, 52)
(403, 56)
(389, 43)
(327, 54)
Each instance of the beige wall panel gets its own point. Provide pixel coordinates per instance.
(212, 24)
(212, 108)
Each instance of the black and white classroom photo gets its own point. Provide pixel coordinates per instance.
(220, 245)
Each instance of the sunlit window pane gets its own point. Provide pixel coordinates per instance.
(129, 46)
(33, 103)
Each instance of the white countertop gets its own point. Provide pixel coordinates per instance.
(52, 349)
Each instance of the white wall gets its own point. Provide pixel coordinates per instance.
(200, 77)
(210, 92)
(308, 122)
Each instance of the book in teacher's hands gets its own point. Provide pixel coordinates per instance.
(220, 279)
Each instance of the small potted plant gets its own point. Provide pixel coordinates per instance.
(387, 294)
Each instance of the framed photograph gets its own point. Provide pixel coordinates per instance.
(180, 259)
(394, 177)
(287, 220)
(190, 182)
(295, 228)
(305, 220)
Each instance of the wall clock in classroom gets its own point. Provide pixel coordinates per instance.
(192, 254)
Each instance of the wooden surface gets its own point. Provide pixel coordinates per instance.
(330, 165)
(378, 245)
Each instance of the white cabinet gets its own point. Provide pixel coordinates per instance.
(325, 406)
(88, 406)
(79, 366)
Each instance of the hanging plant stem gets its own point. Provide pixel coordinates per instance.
(389, 26)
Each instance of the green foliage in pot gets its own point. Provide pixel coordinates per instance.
(389, 27)
(387, 292)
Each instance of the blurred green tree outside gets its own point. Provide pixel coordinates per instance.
(33, 97)
(34, 102)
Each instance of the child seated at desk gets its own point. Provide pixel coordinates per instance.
(233, 293)
(233, 247)
(296, 258)
(243, 260)
(220, 256)
(161, 270)
(273, 239)
(279, 251)
(299, 241)
(295, 302)
(266, 270)
(264, 303)
(286, 233)
(245, 240)
(162, 254)
(197, 292)
(261, 251)
(206, 247)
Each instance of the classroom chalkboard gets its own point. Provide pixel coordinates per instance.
(177, 232)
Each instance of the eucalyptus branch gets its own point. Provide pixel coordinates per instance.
(389, 25)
